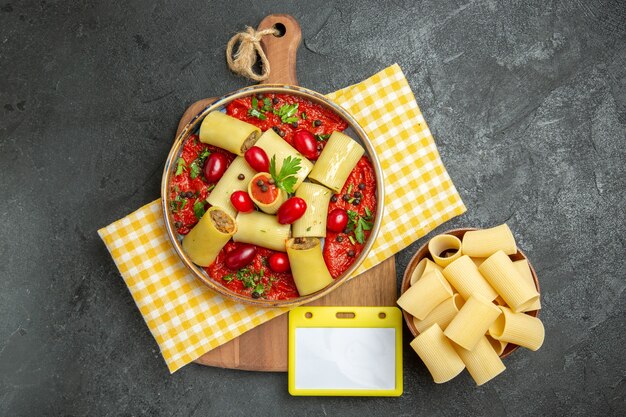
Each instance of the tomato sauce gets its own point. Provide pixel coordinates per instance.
(186, 191)
(338, 245)
(328, 120)
(257, 279)
(276, 285)
(269, 195)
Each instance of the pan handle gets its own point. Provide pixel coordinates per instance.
(281, 49)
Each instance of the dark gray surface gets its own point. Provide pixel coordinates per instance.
(527, 102)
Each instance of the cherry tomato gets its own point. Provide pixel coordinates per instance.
(291, 210)
(257, 159)
(304, 142)
(240, 256)
(337, 220)
(215, 166)
(242, 201)
(279, 262)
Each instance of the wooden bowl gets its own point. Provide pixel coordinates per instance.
(354, 130)
(423, 253)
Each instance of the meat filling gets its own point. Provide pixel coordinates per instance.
(222, 221)
(303, 243)
(249, 142)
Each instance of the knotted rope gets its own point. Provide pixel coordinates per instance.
(242, 62)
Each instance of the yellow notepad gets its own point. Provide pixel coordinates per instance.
(345, 351)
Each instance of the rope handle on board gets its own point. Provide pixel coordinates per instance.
(242, 62)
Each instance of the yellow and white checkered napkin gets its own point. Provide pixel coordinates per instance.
(188, 320)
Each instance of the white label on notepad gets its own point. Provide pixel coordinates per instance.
(345, 358)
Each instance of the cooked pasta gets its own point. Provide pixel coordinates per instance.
(421, 298)
(482, 362)
(307, 265)
(472, 321)
(484, 243)
(442, 244)
(261, 229)
(499, 271)
(524, 270)
(313, 222)
(442, 314)
(227, 132)
(229, 183)
(209, 236)
(275, 146)
(518, 328)
(438, 355)
(337, 160)
(463, 275)
(423, 267)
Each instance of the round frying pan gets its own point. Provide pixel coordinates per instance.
(281, 53)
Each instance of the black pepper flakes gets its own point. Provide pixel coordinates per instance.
(345, 197)
(317, 122)
(178, 225)
(189, 194)
(356, 202)
(241, 177)
(264, 188)
(339, 238)
(351, 253)
(260, 183)
(275, 100)
(294, 125)
(260, 96)
(334, 198)
(361, 186)
(256, 294)
(357, 194)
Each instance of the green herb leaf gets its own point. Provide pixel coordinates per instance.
(286, 112)
(259, 288)
(255, 102)
(256, 113)
(194, 170)
(308, 229)
(180, 167)
(286, 179)
(321, 138)
(349, 189)
(303, 115)
(198, 209)
(229, 278)
(368, 213)
(267, 104)
(351, 240)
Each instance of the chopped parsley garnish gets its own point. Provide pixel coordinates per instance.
(285, 179)
(349, 189)
(308, 229)
(198, 209)
(303, 115)
(257, 112)
(195, 168)
(321, 138)
(180, 167)
(287, 113)
(249, 279)
(359, 224)
(178, 203)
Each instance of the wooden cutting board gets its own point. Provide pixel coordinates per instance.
(264, 348)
